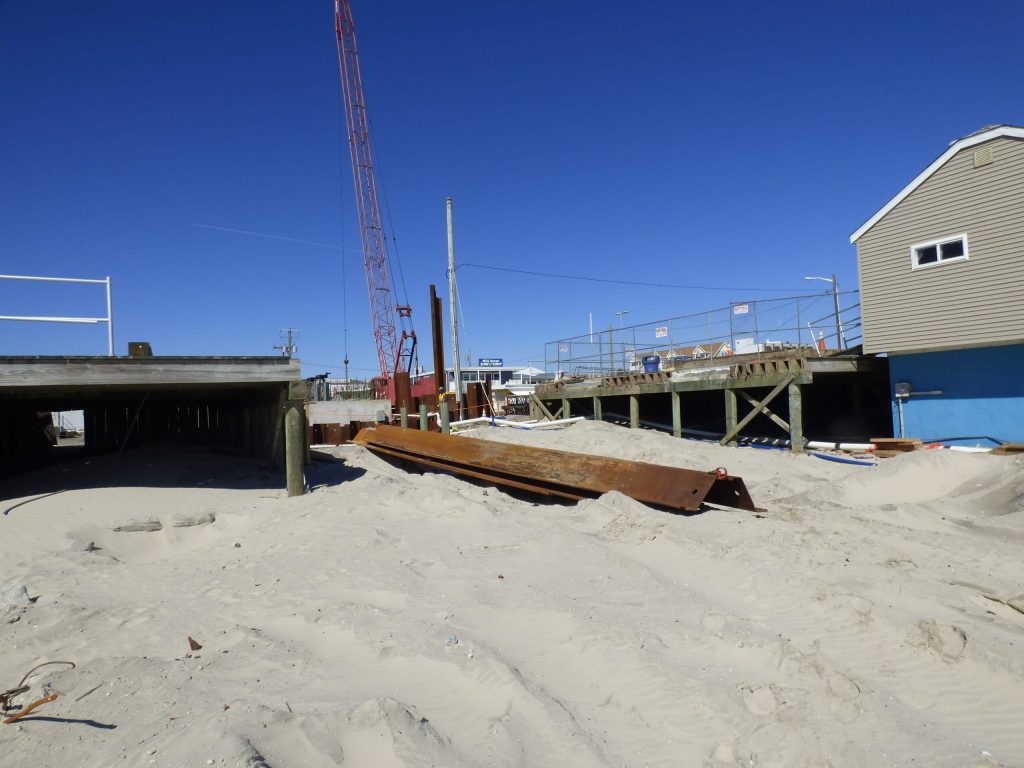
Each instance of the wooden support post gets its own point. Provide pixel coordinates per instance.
(424, 419)
(295, 438)
(445, 418)
(730, 418)
(634, 411)
(796, 418)
(405, 417)
(598, 414)
(677, 414)
(565, 408)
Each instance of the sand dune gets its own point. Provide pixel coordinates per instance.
(870, 617)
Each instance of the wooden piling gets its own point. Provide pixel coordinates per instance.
(796, 420)
(295, 438)
(731, 414)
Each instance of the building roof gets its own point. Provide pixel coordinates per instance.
(987, 133)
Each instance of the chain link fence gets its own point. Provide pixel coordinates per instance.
(814, 323)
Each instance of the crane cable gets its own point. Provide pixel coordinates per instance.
(342, 161)
(387, 210)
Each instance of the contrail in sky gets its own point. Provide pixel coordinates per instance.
(273, 237)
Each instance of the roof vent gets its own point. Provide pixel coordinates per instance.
(982, 156)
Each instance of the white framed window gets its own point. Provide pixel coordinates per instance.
(935, 252)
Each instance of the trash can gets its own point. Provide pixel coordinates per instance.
(651, 363)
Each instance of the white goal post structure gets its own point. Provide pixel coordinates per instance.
(109, 319)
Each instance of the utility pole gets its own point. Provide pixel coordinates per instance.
(290, 348)
(622, 337)
(453, 313)
(840, 341)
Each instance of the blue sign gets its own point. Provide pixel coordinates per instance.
(490, 362)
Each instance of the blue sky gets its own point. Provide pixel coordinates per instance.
(734, 146)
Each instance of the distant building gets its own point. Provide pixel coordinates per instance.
(503, 377)
(669, 357)
(942, 291)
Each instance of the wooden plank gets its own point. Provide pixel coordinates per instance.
(696, 385)
(49, 372)
(1008, 448)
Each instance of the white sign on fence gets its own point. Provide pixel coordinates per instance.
(661, 332)
(741, 309)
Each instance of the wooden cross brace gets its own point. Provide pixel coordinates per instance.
(759, 407)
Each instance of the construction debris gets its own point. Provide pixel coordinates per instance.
(887, 447)
(1007, 449)
(559, 473)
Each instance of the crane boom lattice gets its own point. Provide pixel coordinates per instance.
(394, 353)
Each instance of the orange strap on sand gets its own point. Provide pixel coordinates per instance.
(30, 707)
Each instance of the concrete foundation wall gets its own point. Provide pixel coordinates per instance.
(344, 411)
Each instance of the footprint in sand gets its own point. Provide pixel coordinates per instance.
(760, 700)
(946, 640)
(713, 621)
(722, 755)
(843, 693)
(190, 519)
(143, 526)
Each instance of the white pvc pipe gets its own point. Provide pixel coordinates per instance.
(476, 420)
(537, 424)
(499, 422)
(820, 445)
(817, 445)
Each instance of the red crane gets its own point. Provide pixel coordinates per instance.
(395, 353)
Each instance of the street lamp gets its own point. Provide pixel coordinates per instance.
(840, 338)
(621, 337)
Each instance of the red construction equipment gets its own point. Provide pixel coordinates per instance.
(395, 353)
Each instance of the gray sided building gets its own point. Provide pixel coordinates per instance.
(941, 269)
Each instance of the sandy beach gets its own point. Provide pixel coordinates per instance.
(870, 616)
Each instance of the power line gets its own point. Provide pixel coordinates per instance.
(628, 282)
(271, 237)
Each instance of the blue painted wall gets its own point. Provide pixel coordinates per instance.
(983, 393)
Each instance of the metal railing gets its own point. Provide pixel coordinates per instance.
(109, 319)
(808, 323)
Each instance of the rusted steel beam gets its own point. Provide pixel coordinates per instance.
(559, 473)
